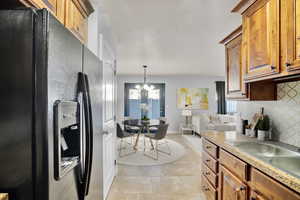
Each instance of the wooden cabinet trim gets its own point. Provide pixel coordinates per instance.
(234, 34)
(242, 6)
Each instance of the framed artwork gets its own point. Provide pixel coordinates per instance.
(194, 98)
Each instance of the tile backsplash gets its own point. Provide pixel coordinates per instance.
(284, 113)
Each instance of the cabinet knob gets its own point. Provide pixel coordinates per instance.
(207, 173)
(208, 147)
(298, 38)
(273, 68)
(207, 160)
(287, 64)
(242, 188)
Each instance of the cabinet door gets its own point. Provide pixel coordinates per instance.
(261, 39)
(267, 188)
(234, 72)
(231, 188)
(292, 36)
(60, 10)
(76, 20)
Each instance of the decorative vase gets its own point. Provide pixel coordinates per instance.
(147, 121)
(261, 135)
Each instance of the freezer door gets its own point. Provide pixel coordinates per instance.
(16, 103)
(92, 67)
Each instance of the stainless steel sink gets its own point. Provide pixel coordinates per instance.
(279, 157)
(288, 164)
(265, 150)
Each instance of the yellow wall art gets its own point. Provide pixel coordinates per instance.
(194, 98)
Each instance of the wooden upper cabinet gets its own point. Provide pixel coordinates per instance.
(235, 86)
(231, 188)
(72, 13)
(261, 39)
(291, 35)
(76, 20)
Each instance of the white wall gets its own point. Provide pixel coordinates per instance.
(173, 114)
(99, 32)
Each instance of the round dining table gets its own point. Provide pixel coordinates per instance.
(144, 128)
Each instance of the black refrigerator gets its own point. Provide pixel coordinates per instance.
(50, 111)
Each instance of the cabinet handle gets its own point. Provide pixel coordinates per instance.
(205, 188)
(287, 64)
(207, 160)
(208, 147)
(298, 38)
(206, 173)
(273, 68)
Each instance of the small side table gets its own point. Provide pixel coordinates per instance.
(183, 128)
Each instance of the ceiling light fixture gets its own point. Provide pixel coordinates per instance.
(145, 85)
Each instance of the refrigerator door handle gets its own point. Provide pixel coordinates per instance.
(87, 158)
(89, 166)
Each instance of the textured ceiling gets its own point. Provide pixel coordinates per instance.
(171, 36)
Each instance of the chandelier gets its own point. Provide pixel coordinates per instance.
(145, 85)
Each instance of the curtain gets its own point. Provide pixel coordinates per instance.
(220, 88)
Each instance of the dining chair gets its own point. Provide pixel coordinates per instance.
(131, 125)
(158, 138)
(123, 135)
(154, 129)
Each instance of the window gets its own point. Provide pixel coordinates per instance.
(231, 107)
(153, 101)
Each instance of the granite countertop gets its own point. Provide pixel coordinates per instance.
(223, 139)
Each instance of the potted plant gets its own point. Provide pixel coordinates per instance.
(263, 127)
(145, 119)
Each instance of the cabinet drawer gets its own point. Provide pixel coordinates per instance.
(265, 187)
(210, 148)
(235, 165)
(210, 162)
(208, 190)
(210, 175)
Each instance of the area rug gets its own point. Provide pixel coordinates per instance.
(139, 159)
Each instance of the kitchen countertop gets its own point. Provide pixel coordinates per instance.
(223, 139)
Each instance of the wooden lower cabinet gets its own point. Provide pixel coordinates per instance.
(264, 187)
(209, 179)
(209, 191)
(231, 187)
(235, 179)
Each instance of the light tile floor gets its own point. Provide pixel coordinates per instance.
(175, 181)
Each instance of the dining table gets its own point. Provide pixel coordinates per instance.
(144, 127)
